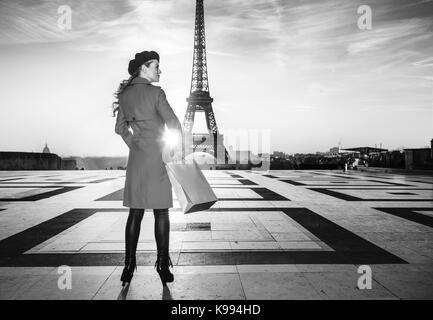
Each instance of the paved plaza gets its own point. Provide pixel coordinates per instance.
(271, 235)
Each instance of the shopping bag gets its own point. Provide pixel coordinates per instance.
(191, 187)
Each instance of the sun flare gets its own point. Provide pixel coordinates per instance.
(170, 138)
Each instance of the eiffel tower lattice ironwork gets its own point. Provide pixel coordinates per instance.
(200, 100)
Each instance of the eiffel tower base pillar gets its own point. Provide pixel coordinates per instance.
(196, 146)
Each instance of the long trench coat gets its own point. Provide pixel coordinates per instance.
(145, 109)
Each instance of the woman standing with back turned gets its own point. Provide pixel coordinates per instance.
(145, 109)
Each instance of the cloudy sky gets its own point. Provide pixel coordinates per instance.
(302, 69)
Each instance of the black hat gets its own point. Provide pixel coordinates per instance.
(141, 58)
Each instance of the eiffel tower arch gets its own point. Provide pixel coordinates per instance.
(199, 100)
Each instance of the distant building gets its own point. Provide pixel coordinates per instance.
(46, 149)
(334, 150)
(419, 158)
(69, 164)
(406, 158)
(34, 161)
(278, 154)
(366, 150)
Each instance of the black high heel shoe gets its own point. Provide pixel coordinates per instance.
(128, 272)
(162, 265)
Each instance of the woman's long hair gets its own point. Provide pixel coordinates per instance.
(123, 85)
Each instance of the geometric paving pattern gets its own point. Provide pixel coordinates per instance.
(346, 246)
(271, 235)
(223, 193)
(420, 215)
(377, 194)
(32, 193)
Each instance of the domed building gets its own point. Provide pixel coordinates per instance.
(46, 149)
(44, 160)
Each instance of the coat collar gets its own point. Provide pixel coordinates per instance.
(140, 80)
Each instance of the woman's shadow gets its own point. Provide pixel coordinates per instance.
(166, 294)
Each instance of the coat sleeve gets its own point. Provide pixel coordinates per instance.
(166, 112)
(122, 127)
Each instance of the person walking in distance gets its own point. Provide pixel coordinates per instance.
(144, 108)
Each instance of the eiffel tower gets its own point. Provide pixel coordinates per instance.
(200, 100)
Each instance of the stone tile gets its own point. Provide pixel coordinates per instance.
(144, 286)
(85, 283)
(277, 286)
(385, 268)
(76, 237)
(428, 267)
(255, 204)
(245, 268)
(254, 245)
(205, 245)
(16, 281)
(16, 193)
(231, 204)
(350, 268)
(232, 217)
(275, 226)
(239, 235)
(222, 193)
(204, 269)
(271, 216)
(104, 246)
(220, 226)
(120, 246)
(191, 235)
(299, 245)
(207, 287)
(407, 285)
(343, 285)
(290, 236)
(405, 253)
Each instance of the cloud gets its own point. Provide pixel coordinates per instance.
(424, 63)
(36, 21)
(386, 36)
(306, 58)
(291, 33)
